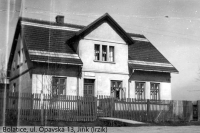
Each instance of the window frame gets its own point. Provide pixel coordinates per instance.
(14, 65)
(118, 92)
(97, 51)
(154, 90)
(137, 93)
(58, 85)
(104, 53)
(86, 90)
(18, 58)
(107, 57)
(22, 56)
(113, 56)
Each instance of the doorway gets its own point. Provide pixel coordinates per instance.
(116, 87)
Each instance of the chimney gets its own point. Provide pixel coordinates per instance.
(60, 19)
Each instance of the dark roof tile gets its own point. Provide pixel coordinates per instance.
(51, 40)
(54, 40)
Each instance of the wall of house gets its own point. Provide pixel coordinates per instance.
(102, 84)
(42, 78)
(151, 77)
(109, 38)
(19, 74)
(103, 71)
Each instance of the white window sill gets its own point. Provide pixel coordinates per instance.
(104, 61)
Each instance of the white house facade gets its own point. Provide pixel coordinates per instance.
(98, 59)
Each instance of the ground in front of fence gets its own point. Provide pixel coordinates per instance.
(98, 122)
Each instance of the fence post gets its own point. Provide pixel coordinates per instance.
(198, 109)
(112, 104)
(148, 109)
(95, 109)
(5, 106)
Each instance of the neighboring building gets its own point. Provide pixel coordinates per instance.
(99, 59)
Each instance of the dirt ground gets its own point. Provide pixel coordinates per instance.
(141, 129)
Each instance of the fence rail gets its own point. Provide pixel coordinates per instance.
(41, 107)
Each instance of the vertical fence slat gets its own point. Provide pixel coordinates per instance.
(78, 108)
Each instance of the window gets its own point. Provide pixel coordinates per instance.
(97, 52)
(19, 59)
(13, 87)
(116, 88)
(104, 53)
(14, 65)
(89, 87)
(139, 90)
(22, 54)
(111, 53)
(154, 91)
(59, 85)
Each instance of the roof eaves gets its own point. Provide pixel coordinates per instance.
(157, 70)
(57, 62)
(13, 47)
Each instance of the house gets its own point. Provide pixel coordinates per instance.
(98, 59)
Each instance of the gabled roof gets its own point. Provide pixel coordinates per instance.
(104, 18)
(45, 41)
(49, 42)
(144, 56)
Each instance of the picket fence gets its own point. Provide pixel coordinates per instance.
(45, 107)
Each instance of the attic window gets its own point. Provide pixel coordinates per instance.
(111, 53)
(104, 53)
(13, 87)
(22, 54)
(14, 65)
(18, 59)
(97, 52)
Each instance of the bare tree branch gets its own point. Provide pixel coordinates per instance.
(2, 69)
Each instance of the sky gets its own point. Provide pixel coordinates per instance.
(173, 27)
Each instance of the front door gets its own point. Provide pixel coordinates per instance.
(88, 87)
